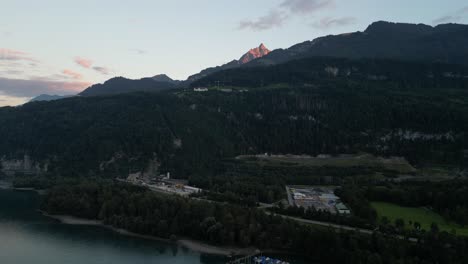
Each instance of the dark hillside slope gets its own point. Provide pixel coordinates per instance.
(187, 133)
(322, 70)
(120, 85)
(446, 43)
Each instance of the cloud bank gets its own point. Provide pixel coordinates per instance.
(273, 19)
(288, 9)
(329, 22)
(306, 6)
(452, 18)
(6, 100)
(15, 55)
(72, 74)
(35, 86)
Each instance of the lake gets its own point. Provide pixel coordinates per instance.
(28, 237)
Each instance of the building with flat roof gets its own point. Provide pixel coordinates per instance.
(341, 208)
(200, 89)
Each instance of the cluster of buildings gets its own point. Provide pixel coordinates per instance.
(225, 90)
(257, 258)
(267, 260)
(163, 183)
(317, 197)
(200, 89)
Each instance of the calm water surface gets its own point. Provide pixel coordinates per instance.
(28, 237)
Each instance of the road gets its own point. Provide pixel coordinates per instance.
(336, 226)
(264, 206)
(325, 224)
(290, 199)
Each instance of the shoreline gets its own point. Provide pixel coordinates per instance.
(5, 185)
(194, 245)
(38, 191)
(8, 185)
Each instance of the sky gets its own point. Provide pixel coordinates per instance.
(61, 47)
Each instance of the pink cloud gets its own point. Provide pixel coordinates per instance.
(86, 63)
(67, 87)
(72, 74)
(15, 55)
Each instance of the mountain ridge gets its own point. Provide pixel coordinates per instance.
(446, 43)
(247, 57)
(119, 85)
(163, 78)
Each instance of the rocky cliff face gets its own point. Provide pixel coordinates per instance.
(254, 54)
(251, 55)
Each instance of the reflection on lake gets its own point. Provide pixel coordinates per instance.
(28, 237)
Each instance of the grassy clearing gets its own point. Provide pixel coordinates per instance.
(399, 165)
(422, 215)
(437, 173)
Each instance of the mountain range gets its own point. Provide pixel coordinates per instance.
(392, 90)
(446, 43)
(312, 106)
(162, 81)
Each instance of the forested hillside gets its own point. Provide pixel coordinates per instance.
(418, 111)
(370, 73)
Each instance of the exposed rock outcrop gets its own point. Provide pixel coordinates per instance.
(26, 165)
(254, 54)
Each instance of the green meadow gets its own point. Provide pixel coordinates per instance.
(414, 214)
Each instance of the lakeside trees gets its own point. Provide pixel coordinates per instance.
(142, 211)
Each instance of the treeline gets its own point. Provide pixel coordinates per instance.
(448, 198)
(323, 216)
(250, 182)
(36, 182)
(142, 211)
